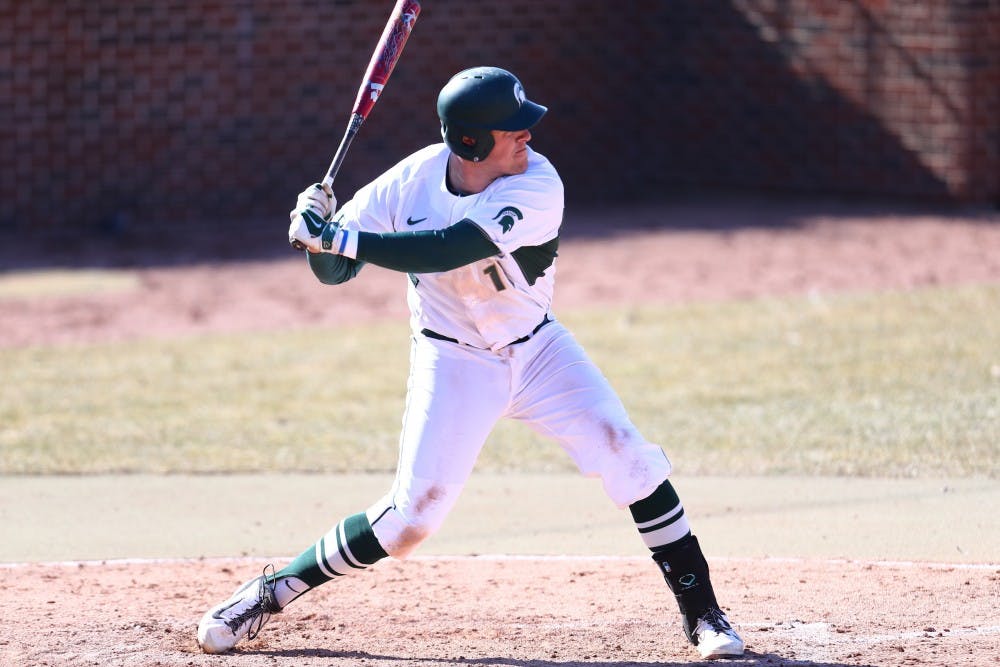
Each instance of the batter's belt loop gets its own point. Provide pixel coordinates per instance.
(437, 336)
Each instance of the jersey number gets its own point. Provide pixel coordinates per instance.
(494, 273)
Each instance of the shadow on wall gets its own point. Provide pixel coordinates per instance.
(184, 135)
(741, 104)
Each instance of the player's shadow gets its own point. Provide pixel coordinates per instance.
(749, 659)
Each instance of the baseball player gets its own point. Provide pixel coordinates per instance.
(475, 223)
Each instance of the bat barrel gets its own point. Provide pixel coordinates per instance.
(383, 61)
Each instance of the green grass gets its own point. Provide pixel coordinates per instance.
(892, 384)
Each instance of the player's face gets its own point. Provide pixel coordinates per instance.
(510, 151)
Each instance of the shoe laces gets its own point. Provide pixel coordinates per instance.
(717, 621)
(260, 611)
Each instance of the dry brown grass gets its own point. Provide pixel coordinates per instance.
(895, 384)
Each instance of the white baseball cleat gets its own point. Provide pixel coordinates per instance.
(715, 638)
(242, 615)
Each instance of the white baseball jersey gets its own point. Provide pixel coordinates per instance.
(491, 302)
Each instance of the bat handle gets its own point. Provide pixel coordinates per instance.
(338, 159)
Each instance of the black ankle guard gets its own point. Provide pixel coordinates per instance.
(685, 570)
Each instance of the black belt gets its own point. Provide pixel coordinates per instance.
(437, 336)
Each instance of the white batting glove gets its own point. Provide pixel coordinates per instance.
(318, 199)
(307, 227)
(318, 235)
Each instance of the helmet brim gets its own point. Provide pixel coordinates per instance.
(526, 117)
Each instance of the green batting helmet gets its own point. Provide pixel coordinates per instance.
(478, 100)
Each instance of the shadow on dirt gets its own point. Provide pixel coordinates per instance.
(750, 659)
(125, 243)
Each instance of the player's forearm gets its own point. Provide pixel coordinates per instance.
(426, 251)
(333, 269)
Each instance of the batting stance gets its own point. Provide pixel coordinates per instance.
(475, 223)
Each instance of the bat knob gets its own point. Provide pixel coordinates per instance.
(298, 245)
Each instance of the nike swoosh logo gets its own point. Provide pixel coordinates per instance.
(217, 614)
(411, 221)
(314, 223)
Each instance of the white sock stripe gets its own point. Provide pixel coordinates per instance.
(345, 551)
(667, 534)
(321, 560)
(664, 524)
(660, 519)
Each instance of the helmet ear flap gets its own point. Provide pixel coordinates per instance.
(466, 143)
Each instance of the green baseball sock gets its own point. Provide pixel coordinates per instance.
(660, 518)
(349, 547)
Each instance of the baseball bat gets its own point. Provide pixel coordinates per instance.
(383, 61)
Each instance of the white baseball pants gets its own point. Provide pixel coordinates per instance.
(455, 396)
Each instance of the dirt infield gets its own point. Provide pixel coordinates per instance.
(679, 253)
(556, 612)
(522, 611)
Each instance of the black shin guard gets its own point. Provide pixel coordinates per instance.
(686, 572)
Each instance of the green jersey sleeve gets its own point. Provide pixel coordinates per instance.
(430, 251)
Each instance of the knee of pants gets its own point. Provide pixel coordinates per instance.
(630, 467)
(404, 519)
(604, 442)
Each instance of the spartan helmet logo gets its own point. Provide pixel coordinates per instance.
(507, 221)
(519, 93)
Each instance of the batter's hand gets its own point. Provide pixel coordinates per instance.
(318, 199)
(307, 228)
(318, 235)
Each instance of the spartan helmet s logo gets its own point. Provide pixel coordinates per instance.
(519, 93)
(507, 221)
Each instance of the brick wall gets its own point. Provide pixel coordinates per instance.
(225, 109)
(894, 83)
